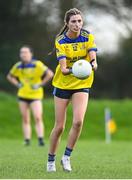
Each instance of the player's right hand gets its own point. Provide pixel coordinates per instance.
(36, 86)
(19, 85)
(70, 70)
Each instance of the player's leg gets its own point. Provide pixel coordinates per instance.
(60, 118)
(25, 113)
(37, 110)
(79, 103)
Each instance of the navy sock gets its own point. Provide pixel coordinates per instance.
(51, 157)
(68, 151)
(41, 139)
(27, 141)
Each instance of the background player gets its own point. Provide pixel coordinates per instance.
(29, 76)
(72, 43)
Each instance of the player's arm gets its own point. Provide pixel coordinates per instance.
(61, 57)
(48, 75)
(93, 60)
(64, 68)
(92, 52)
(13, 80)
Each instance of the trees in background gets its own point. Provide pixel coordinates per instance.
(29, 22)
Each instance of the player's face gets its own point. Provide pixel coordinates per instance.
(25, 55)
(75, 23)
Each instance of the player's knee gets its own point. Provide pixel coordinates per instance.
(77, 124)
(38, 119)
(25, 120)
(59, 129)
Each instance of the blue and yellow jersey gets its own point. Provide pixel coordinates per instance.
(73, 50)
(28, 75)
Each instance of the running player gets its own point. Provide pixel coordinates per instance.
(72, 43)
(30, 76)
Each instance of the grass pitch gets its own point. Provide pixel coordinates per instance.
(90, 159)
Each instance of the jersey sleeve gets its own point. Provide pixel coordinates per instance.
(60, 51)
(42, 68)
(91, 43)
(14, 71)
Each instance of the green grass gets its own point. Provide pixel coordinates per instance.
(91, 159)
(10, 120)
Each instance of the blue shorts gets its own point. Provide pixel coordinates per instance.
(67, 94)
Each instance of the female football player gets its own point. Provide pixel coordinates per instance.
(72, 43)
(30, 76)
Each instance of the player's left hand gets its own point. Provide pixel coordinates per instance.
(36, 86)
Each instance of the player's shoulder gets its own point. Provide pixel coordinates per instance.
(39, 63)
(85, 33)
(60, 39)
(18, 64)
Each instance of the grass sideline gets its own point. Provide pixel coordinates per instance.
(10, 120)
(91, 159)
